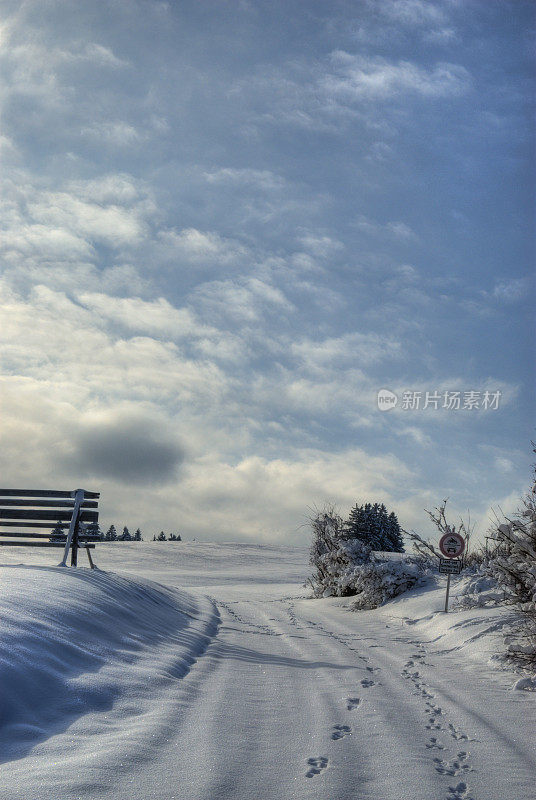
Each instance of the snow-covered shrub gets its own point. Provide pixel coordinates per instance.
(513, 565)
(332, 555)
(378, 580)
(346, 567)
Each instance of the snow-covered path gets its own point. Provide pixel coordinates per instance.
(295, 698)
(291, 702)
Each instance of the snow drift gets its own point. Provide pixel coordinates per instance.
(75, 642)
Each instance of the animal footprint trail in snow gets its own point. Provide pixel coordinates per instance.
(340, 731)
(316, 766)
(367, 683)
(352, 702)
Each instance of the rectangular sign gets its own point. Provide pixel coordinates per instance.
(450, 566)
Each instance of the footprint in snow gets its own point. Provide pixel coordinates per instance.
(458, 735)
(366, 683)
(434, 744)
(340, 731)
(454, 767)
(316, 766)
(352, 702)
(458, 792)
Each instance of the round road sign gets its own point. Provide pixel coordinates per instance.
(452, 545)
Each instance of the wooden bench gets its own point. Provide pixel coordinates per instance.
(36, 509)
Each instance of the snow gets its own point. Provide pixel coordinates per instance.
(205, 671)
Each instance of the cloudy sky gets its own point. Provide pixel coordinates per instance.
(228, 223)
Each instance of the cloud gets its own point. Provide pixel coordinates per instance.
(268, 499)
(157, 317)
(242, 300)
(200, 247)
(394, 230)
(350, 349)
(117, 133)
(354, 77)
(513, 290)
(413, 12)
(264, 180)
(327, 94)
(127, 446)
(45, 230)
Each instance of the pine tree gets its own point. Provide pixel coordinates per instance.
(137, 536)
(375, 527)
(93, 531)
(161, 537)
(174, 537)
(58, 534)
(394, 535)
(125, 536)
(111, 534)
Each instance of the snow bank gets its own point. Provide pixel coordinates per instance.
(75, 642)
(478, 632)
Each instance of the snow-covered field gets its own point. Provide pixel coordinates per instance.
(203, 672)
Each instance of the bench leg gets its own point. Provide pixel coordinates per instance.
(88, 551)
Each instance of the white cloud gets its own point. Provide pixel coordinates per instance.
(112, 224)
(115, 132)
(513, 290)
(321, 246)
(258, 179)
(156, 317)
(413, 12)
(98, 54)
(243, 300)
(395, 229)
(352, 348)
(503, 464)
(355, 77)
(201, 246)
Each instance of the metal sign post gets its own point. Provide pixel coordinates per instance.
(451, 545)
(447, 594)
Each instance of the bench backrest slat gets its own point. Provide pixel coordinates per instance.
(44, 493)
(53, 516)
(46, 503)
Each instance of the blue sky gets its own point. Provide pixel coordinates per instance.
(227, 225)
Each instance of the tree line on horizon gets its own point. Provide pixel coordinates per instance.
(94, 532)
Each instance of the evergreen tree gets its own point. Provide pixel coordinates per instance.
(137, 536)
(161, 537)
(375, 527)
(111, 534)
(125, 536)
(394, 535)
(175, 537)
(93, 531)
(58, 533)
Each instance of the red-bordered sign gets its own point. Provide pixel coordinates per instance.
(452, 545)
